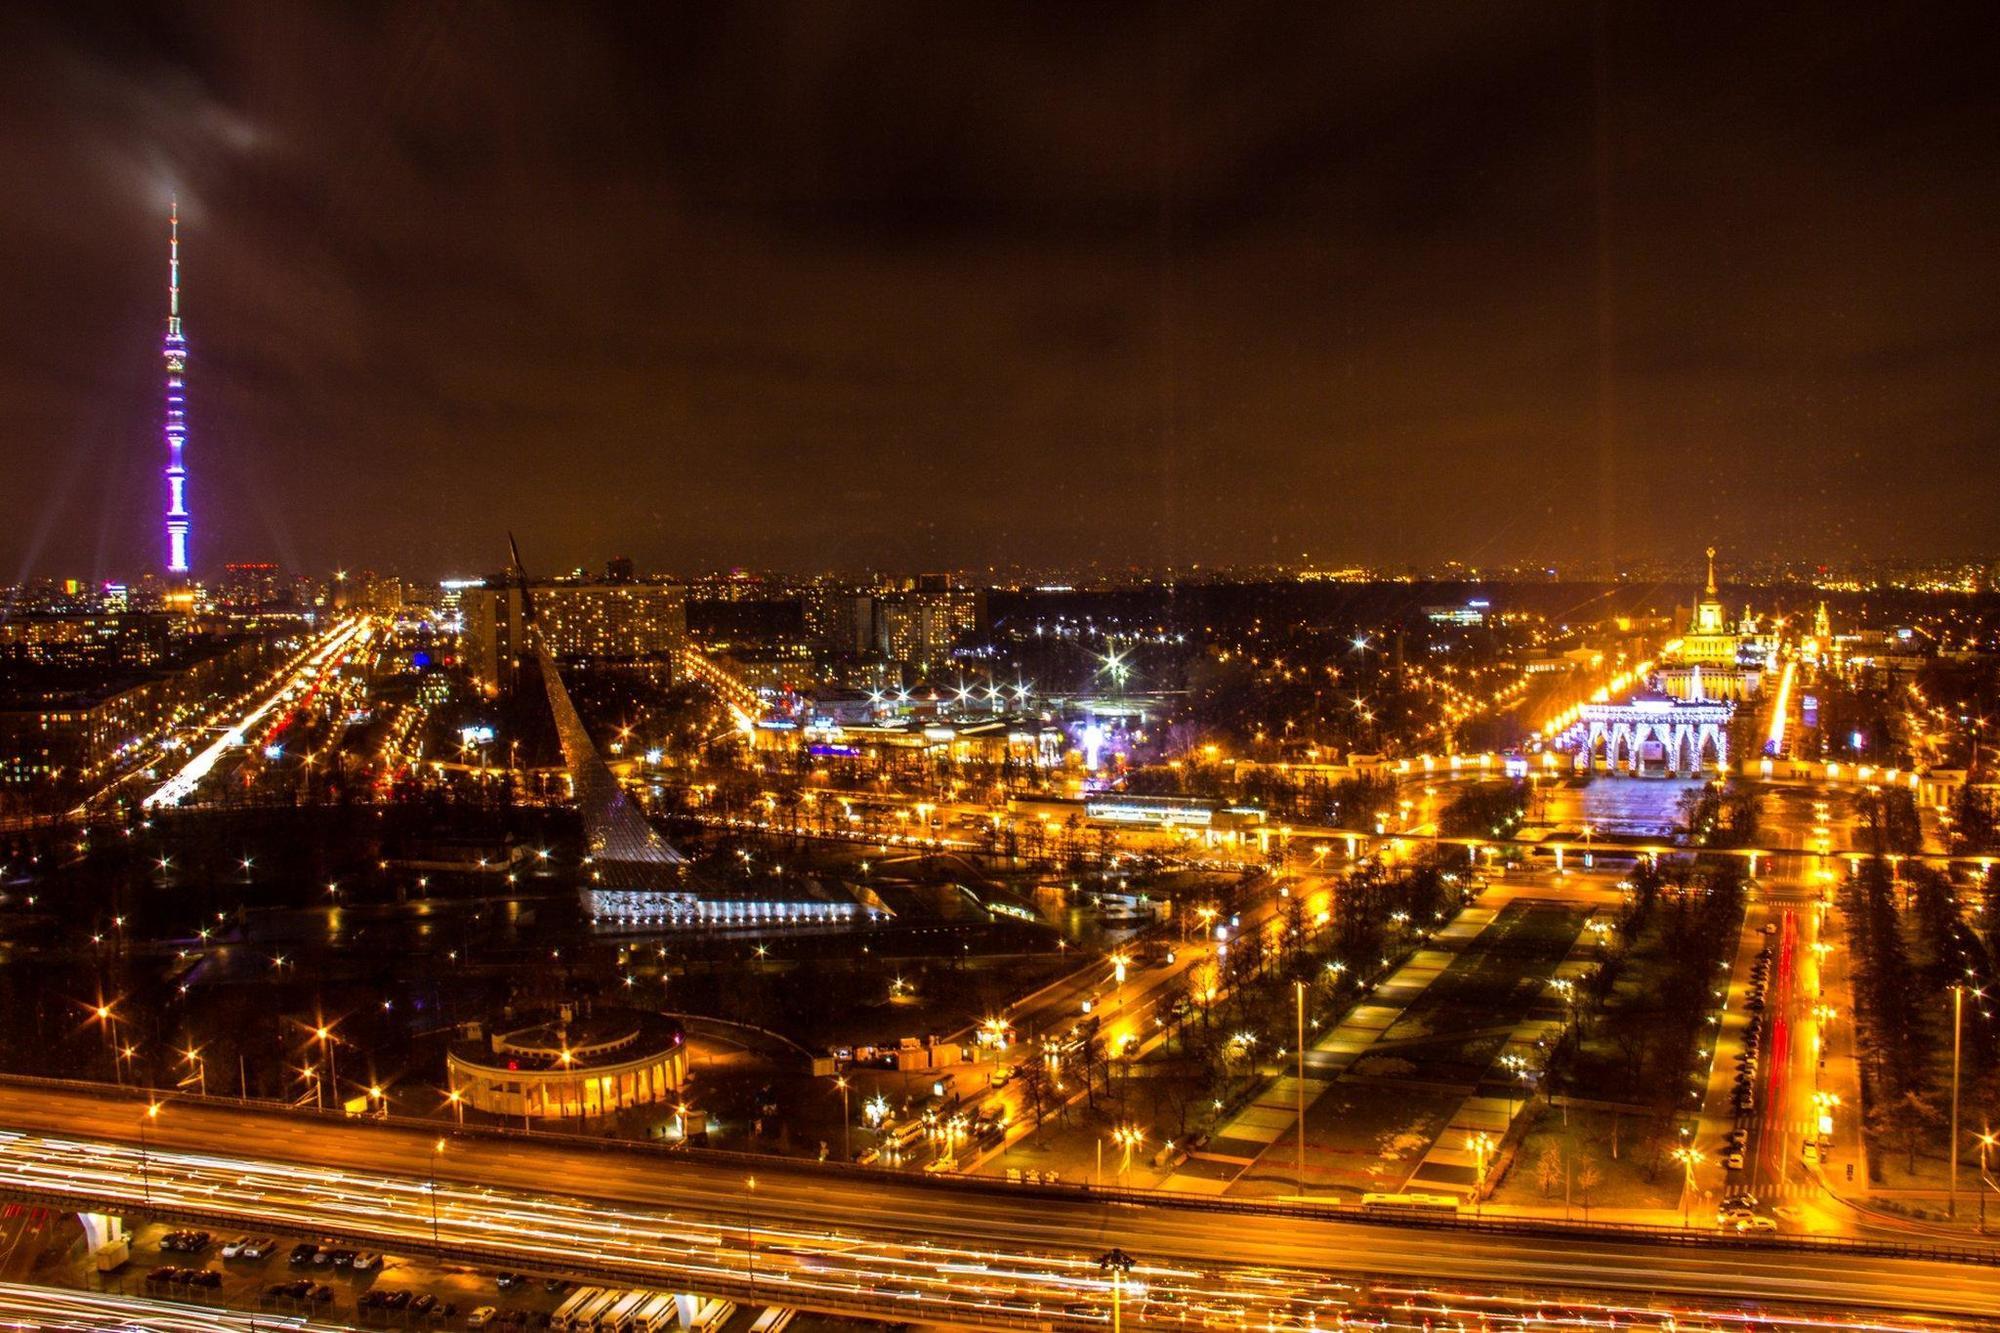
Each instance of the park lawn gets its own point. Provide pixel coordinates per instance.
(1623, 1181)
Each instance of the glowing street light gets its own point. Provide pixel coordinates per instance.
(846, 1153)
(1987, 1140)
(1689, 1157)
(323, 1034)
(436, 1149)
(1118, 1264)
(1957, 1035)
(145, 1170)
(1127, 1137)
(1481, 1146)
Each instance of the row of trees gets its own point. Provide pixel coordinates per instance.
(1643, 1038)
(1911, 946)
(1718, 815)
(1484, 809)
(1242, 1007)
(1889, 821)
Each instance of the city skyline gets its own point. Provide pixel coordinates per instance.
(1167, 323)
(823, 664)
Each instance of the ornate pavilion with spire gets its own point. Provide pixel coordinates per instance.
(1716, 659)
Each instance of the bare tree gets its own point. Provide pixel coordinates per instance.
(1549, 1169)
(1033, 1075)
(1588, 1178)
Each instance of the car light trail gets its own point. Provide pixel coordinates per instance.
(182, 784)
(1774, 740)
(804, 1266)
(23, 1306)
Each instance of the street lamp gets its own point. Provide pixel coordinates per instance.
(145, 1169)
(846, 1155)
(107, 1021)
(1117, 1263)
(324, 1035)
(1986, 1142)
(436, 1149)
(1957, 1035)
(1689, 1157)
(750, 1234)
(1127, 1137)
(1482, 1149)
(1299, 994)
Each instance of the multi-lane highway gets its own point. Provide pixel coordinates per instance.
(47, 1308)
(863, 1241)
(296, 686)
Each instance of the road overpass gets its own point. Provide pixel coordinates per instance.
(845, 1240)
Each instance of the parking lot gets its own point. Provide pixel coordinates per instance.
(335, 1284)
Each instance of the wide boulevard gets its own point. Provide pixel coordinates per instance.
(864, 1241)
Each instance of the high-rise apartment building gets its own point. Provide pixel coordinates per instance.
(921, 627)
(617, 625)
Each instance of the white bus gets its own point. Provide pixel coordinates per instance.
(579, 1298)
(660, 1312)
(619, 1317)
(773, 1320)
(1420, 1203)
(712, 1315)
(584, 1317)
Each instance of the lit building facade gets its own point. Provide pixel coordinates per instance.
(75, 727)
(570, 1063)
(637, 625)
(249, 585)
(921, 628)
(838, 619)
(1710, 639)
(1651, 734)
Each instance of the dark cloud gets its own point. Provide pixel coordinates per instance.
(904, 283)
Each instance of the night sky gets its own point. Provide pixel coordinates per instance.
(928, 286)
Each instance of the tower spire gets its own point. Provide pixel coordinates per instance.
(175, 352)
(174, 268)
(1711, 572)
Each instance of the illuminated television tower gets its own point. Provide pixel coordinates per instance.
(176, 354)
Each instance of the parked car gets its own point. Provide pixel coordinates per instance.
(481, 1317)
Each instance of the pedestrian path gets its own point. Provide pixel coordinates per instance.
(1253, 1131)
(1452, 1161)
